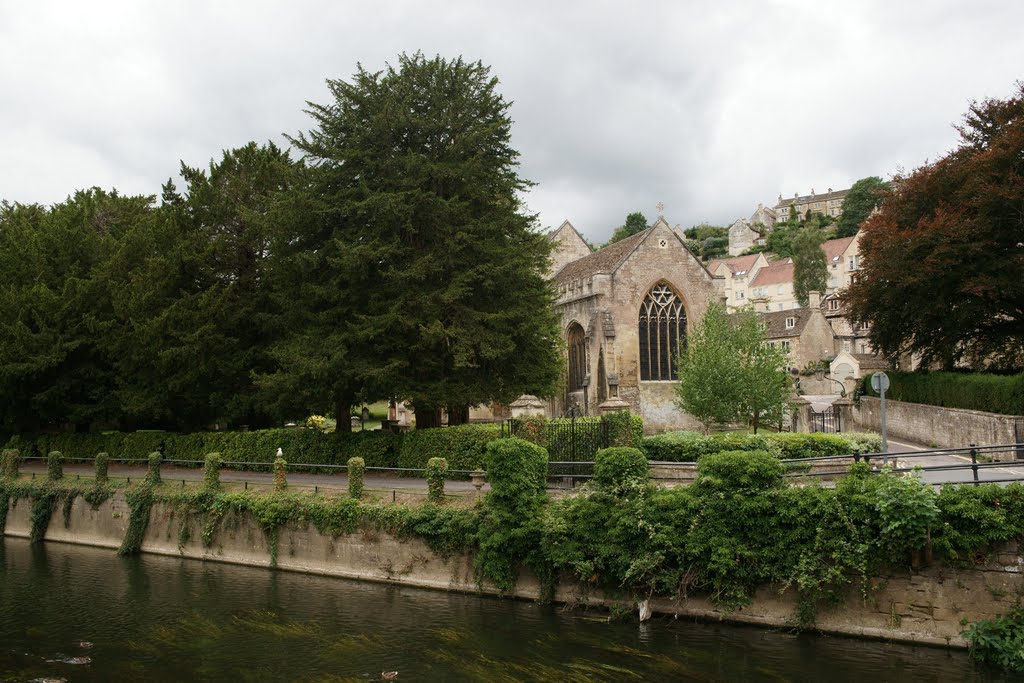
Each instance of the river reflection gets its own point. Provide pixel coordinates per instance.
(153, 618)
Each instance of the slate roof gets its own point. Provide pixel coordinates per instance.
(807, 198)
(775, 323)
(603, 260)
(869, 361)
(774, 274)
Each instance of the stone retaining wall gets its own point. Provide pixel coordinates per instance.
(923, 606)
(939, 427)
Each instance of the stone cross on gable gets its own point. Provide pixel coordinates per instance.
(660, 206)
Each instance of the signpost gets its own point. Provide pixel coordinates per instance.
(880, 383)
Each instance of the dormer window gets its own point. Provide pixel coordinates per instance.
(833, 304)
(790, 323)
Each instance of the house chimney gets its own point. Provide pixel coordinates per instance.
(812, 191)
(830, 190)
(813, 299)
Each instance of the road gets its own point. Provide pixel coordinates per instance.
(988, 472)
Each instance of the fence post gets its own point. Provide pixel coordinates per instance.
(974, 462)
(856, 455)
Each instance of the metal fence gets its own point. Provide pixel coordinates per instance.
(571, 443)
(827, 421)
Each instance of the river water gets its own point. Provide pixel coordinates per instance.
(152, 618)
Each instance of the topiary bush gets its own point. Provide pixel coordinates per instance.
(211, 472)
(153, 470)
(102, 461)
(280, 474)
(620, 469)
(55, 466)
(437, 470)
(356, 468)
(624, 429)
(9, 463)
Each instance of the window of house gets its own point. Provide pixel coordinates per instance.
(742, 295)
(833, 304)
(781, 289)
(790, 323)
(853, 263)
(785, 345)
(577, 357)
(781, 306)
(662, 327)
(846, 345)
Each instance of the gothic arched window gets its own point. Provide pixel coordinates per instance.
(577, 357)
(662, 333)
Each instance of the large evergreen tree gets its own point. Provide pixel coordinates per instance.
(943, 262)
(810, 270)
(441, 267)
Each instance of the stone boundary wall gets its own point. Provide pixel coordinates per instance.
(923, 606)
(684, 473)
(937, 426)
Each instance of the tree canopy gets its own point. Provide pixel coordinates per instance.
(865, 195)
(810, 270)
(942, 271)
(444, 269)
(727, 373)
(635, 222)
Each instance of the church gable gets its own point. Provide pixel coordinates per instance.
(662, 248)
(569, 246)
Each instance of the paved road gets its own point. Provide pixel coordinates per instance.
(987, 472)
(372, 480)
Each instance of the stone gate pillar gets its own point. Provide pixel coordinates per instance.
(526, 405)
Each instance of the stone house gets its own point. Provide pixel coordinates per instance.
(843, 259)
(849, 368)
(752, 232)
(850, 336)
(802, 332)
(626, 310)
(827, 204)
(772, 288)
(734, 275)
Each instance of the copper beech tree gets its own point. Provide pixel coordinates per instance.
(943, 258)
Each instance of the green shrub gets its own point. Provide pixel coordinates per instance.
(691, 446)
(973, 391)
(624, 429)
(211, 472)
(305, 446)
(463, 446)
(437, 469)
(621, 468)
(864, 442)
(153, 469)
(55, 466)
(510, 528)
(280, 474)
(793, 446)
(102, 461)
(9, 464)
(356, 468)
(749, 471)
(999, 641)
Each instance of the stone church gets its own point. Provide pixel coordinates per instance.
(626, 311)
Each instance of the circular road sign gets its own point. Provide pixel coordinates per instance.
(880, 382)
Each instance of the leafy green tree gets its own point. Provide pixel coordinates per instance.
(57, 308)
(635, 222)
(942, 274)
(728, 373)
(442, 268)
(712, 240)
(865, 195)
(810, 270)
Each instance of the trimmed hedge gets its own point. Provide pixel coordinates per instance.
(1003, 394)
(463, 446)
(691, 446)
(620, 467)
(300, 446)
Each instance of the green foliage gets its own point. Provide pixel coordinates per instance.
(377, 448)
(510, 526)
(635, 223)
(44, 501)
(437, 470)
(153, 468)
(742, 471)
(708, 241)
(102, 460)
(727, 373)
(999, 641)
(973, 391)
(356, 468)
(54, 466)
(463, 446)
(864, 196)
(690, 446)
(211, 472)
(620, 468)
(280, 474)
(140, 500)
(624, 429)
(810, 271)
(9, 464)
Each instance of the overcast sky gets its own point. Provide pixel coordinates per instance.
(709, 107)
